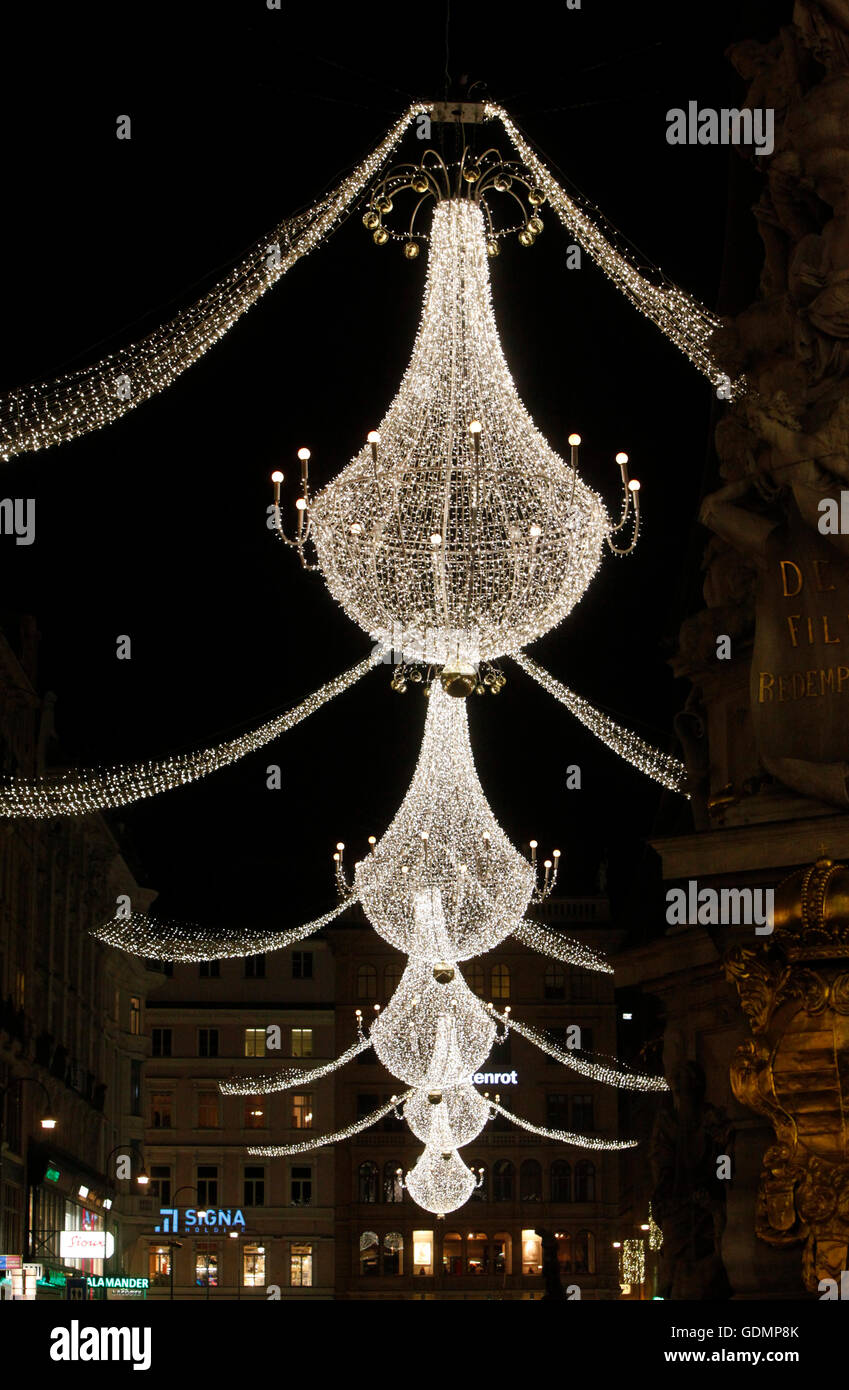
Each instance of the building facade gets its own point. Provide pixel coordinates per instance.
(71, 1021)
(217, 1222)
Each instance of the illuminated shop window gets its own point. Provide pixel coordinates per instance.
(531, 1252)
(159, 1264)
(369, 1253)
(206, 1265)
(300, 1266)
(253, 1266)
(393, 1253)
(452, 1253)
(423, 1252)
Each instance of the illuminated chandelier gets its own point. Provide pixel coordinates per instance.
(457, 534)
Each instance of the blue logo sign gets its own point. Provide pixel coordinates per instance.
(198, 1222)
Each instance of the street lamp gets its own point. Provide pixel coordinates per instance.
(48, 1122)
(176, 1244)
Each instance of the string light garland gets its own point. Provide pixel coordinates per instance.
(284, 1150)
(37, 416)
(562, 948)
(562, 1136)
(440, 1181)
(661, 767)
(680, 317)
(268, 1083)
(632, 1262)
(607, 1069)
(434, 1031)
(137, 934)
(81, 791)
(459, 1114)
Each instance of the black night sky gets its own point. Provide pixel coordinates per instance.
(155, 527)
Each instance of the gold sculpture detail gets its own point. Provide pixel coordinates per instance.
(794, 991)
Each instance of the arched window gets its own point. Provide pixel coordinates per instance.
(391, 979)
(367, 1181)
(561, 1181)
(555, 982)
(393, 1253)
(366, 982)
(481, 1194)
(474, 977)
(530, 1181)
(584, 1253)
(452, 1253)
(503, 1179)
(564, 1252)
(393, 1177)
(501, 982)
(369, 1252)
(585, 1181)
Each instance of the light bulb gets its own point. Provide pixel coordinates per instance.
(536, 530)
(373, 437)
(475, 427)
(436, 540)
(301, 504)
(304, 454)
(574, 440)
(277, 476)
(621, 458)
(533, 843)
(634, 485)
(340, 846)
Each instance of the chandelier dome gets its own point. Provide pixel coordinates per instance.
(458, 528)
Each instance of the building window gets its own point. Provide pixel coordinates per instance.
(254, 1042)
(255, 967)
(367, 1179)
(159, 1264)
(582, 1113)
(254, 1185)
(561, 1181)
(585, 1181)
(530, 1181)
(557, 1110)
(564, 1253)
(584, 1262)
(391, 979)
(501, 982)
(161, 1042)
(135, 1014)
(300, 1266)
(452, 1253)
(582, 986)
(209, 1110)
(302, 1110)
(503, 1176)
(160, 1184)
(160, 1110)
(475, 977)
(393, 1253)
(207, 1185)
(207, 1042)
(162, 967)
(366, 982)
(253, 1266)
(254, 1113)
(301, 1042)
(554, 985)
(369, 1253)
(206, 1265)
(209, 969)
(135, 1087)
(393, 1181)
(302, 965)
(301, 1187)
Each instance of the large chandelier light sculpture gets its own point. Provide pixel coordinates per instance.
(457, 526)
